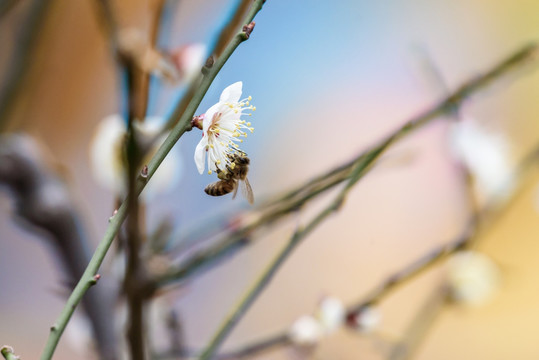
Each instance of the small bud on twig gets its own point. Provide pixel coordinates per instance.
(248, 29)
(113, 214)
(96, 278)
(209, 62)
(144, 172)
(197, 121)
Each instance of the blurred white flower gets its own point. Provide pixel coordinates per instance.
(189, 60)
(331, 314)
(306, 331)
(108, 162)
(221, 129)
(367, 319)
(473, 277)
(486, 155)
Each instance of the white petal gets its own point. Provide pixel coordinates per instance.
(208, 116)
(368, 319)
(232, 93)
(192, 60)
(306, 331)
(168, 173)
(200, 154)
(106, 153)
(487, 155)
(151, 126)
(473, 278)
(331, 313)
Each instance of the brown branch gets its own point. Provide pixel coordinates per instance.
(20, 62)
(232, 27)
(225, 36)
(420, 325)
(6, 6)
(44, 205)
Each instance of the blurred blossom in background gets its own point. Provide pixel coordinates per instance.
(329, 79)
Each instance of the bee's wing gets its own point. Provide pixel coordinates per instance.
(247, 191)
(235, 190)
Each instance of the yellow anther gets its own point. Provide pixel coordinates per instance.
(248, 124)
(218, 162)
(249, 98)
(209, 172)
(235, 111)
(252, 129)
(241, 140)
(232, 166)
(230, 106)
(211, 145)
(247, 103)
(254, 108)
(249, 114)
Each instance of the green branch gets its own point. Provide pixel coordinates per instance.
(183, 124)
(8, 353)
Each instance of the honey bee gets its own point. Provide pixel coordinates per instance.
(233, 177)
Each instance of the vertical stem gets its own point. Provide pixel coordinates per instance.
(134, 275)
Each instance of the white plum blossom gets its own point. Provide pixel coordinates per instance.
(306, 331)
(108, 162)
(473, 277)
(486, 155)
(222, 129)
(367, 319)
(331, 314)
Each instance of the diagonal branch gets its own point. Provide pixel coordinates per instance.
(275, 210)
(360, 168)
(182, 125)
(403, 276)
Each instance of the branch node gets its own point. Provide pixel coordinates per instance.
(113, 214)
(8, 353)
(197, 121)
(144, 172)
(95, 279)
(248, 29)
(209, 62)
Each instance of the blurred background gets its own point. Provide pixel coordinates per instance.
(328, 80)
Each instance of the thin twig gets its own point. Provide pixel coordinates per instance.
(232, 27)
(289, 202)
(360, 169)
(225, 38)
(8, 353)
(401, 277)
(183, 124)
(420, 325)
(143, 77)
